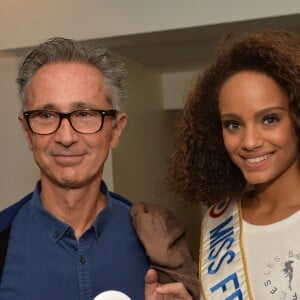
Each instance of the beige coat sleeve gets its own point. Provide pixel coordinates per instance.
(163, 238)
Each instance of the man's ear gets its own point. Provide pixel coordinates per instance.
(120, 124)
(25, 130)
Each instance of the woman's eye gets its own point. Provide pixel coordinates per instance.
(231, 125)
(270, 119)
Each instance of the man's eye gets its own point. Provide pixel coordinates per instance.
(85, 114)
(44, 115)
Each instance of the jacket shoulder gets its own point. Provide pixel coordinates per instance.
(7, 215)
(121, 199)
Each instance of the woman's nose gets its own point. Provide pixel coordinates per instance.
(252, 138)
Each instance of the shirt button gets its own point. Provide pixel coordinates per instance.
(82, 260)
(68, 233)
(55, 234)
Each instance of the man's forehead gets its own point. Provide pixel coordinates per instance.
(76, 105)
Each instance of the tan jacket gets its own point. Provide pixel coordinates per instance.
(163, 238)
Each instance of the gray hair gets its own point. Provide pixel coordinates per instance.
(66, 50)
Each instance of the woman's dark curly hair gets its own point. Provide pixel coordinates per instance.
(200, 169)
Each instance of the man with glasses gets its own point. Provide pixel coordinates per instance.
(70, 238)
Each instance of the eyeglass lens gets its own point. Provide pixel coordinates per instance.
(83, 121)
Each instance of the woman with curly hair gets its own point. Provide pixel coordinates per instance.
(237, 151)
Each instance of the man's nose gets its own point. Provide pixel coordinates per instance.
(65, 134)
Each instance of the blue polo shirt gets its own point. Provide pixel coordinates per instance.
(45, 261)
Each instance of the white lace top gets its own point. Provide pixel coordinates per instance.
(273, 258)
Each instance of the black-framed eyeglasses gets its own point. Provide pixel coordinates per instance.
(83, 121)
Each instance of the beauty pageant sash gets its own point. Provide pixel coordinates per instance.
(222, 266)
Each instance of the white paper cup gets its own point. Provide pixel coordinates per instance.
(112, 295)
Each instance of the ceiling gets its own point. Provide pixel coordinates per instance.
(183, 49)
(186, 49)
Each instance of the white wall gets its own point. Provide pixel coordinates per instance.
(175, 88)
(18, 171)
(25, 23)
(140, 161)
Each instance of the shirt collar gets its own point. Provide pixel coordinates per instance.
(105, 213)
(56, 228)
